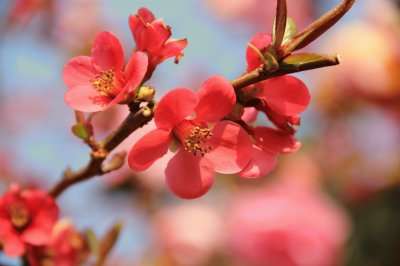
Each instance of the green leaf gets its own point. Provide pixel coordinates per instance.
(290, 30)
(107, 243)
(318, 27)
(303, 60)
(279, 24)
(92, 242)
(81, 131)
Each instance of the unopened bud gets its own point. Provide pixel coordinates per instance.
(116, 162)
(146, 93)
(146, 111)
(82, 130)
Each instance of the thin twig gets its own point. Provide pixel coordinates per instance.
(132, 122)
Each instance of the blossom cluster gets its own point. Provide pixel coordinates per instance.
(30, 227)
(211, 130)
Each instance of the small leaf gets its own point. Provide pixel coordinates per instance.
(82, 131)
(280, 23)
(318, 27)
(290, 30)
(92, 242)
(304, 60)
(107, 243)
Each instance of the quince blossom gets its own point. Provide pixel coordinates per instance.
(267, 144)
(282, 99)
(203, 148)
(67, 247)
(98, 82)
(152, 36)
(27, 217)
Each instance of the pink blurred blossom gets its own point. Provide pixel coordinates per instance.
(259, 13)
(189, 232)
(363, 153)
(285, 225)
(69, 30)
(373, 52)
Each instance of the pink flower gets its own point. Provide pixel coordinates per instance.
(286, 225)
(98, 82)
(67, 247)
(22, 11)
(26, 217)
(282, 98)
(152, 36)
(202, 149)
(259, 13)
(268, 143)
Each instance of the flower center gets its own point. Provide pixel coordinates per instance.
(19, 216)
(104, 82)
(193, 137)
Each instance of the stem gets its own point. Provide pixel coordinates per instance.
(132, 122)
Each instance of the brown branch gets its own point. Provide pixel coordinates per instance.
(261, 73)
(132, 122)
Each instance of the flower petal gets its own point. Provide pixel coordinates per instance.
(285, 95)
(231, 148)
(44, 216)
(281, 121)
(87, 99)
(148, 149)
(189, 176)
(260, 164)
(159, 35)
(146, 15)
(78, 71)
(261, 41)
(250, 115)
(216, 100)
(274, 141)
(149, 37)
(175, 106)
(136, 69)
(173, 48)
(107, 52)
(13, 246)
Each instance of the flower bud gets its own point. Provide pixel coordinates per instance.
(146, 111)
(146, 93)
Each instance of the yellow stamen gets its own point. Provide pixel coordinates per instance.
(195, 141)
(104, 82)
(19, 216)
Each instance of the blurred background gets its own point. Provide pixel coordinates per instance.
(335, 202)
